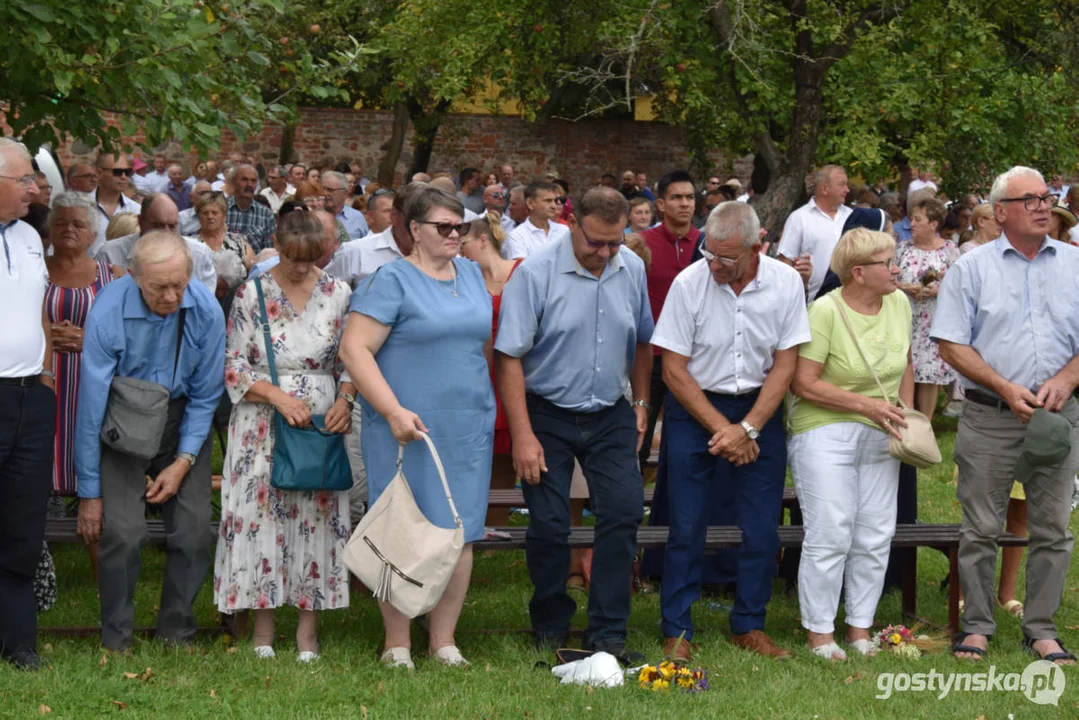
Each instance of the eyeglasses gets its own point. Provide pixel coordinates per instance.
(560, 199)
(598, 244)
(84, 175)
(499, 196)
(446, 229)
(712, 257)
(333, 190)
(382, 191)
(25, 181)
(890, 263)
(117, 172)
(1032, 203)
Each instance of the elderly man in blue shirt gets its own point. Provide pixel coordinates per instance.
(1008, 320)
(157, 326)
(337, 191)
(573, 334)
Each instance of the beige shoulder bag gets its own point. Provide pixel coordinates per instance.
(918, 446)
(399, 553)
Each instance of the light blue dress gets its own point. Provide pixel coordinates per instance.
(433, 361)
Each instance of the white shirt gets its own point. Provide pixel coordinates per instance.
(1073, 234)
(189, 222)
(527, 238)
(275, 199)
(118, 252)
(157, 181)
(507, 223)
(356, 260)
(730, 339)
(809, 231)
(917, 184)
(22, 294)
(471, 216)
(126, 204)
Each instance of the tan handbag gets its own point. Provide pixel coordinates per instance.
(397, 551)
(918, 446)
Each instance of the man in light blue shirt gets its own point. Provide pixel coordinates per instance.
(134, 330)
(573, 333)
(1007, 319)
(336, 188)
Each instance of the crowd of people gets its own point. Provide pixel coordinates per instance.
(508, 323)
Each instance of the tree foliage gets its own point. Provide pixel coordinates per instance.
(179, 70)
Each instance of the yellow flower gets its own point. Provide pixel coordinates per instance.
(660, 685)
(895, 638)
(667, 669)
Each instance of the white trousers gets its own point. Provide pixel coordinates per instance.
(846, 483)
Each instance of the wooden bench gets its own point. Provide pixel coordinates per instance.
(515, 498)
(907, 539)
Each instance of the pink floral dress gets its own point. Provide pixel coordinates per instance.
(916, 265)
(278, 547)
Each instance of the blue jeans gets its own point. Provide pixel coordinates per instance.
(605, 444)
(757, 489)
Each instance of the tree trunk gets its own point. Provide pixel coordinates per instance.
(287, 153)
(426, 125)
(388, 165)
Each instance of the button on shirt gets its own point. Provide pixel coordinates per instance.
(23, 279)
(730, 339)
(123, 338)
(576, 334)
(527, 238)
(256, 223)
(356, 260)
(809, 230)
(126, 204)
(670, 256)
(118, 251)
(1022, 316)
(354, 222)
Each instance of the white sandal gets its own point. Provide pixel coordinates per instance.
(863, 647)
(307, 657)
(451, 656)
(829, 651)
(265, 652)
(398, 657)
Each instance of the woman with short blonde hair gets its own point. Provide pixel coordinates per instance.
(844, 476)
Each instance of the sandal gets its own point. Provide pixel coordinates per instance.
(829, 651)
(450, 656)
(958, 646)
(1064, 654)
(398, 657)
(1013, 608)
(579, 586)
(864, 647)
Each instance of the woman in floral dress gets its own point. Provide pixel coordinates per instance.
(280, 547)
(922, 263)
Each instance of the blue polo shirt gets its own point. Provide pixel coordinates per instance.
(576, 334)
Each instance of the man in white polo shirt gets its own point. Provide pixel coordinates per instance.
(27, 408)
(730, 330)
(812, 231)
(538, 229)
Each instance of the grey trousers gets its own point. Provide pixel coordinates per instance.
(986, 449)
(357, 495)
(188, 539)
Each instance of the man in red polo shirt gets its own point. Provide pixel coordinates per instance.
(672, 243)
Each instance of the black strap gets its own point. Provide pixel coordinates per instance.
(179, 343)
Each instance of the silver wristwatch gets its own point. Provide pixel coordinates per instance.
(347, 397)
(751, 431)
(187, 456)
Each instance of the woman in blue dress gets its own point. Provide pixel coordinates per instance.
(416, 346)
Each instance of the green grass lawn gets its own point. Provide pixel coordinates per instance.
(213, 679)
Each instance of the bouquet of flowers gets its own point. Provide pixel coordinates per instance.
(667, 675)
(901, 640)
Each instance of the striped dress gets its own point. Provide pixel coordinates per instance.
(73, 305)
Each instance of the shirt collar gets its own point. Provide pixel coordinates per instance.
(1004, 245)
(567, 261)
(693, 235)
(8, 226)
(385, 239)
(135, 307)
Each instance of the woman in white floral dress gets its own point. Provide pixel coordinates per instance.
(278, 547)
(922, 264)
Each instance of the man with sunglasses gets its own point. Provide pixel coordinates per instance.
(494, 200)
(572, 335)
(538, 229)
(729, 332)
(1007, 320)
(114, 173)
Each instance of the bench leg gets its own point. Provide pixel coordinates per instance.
(953, 590)
(908, 558)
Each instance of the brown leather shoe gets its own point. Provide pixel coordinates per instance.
(758, 642)
(677, 650)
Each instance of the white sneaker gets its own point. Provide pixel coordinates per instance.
(398, 657)
(450, 656)
(265, 651)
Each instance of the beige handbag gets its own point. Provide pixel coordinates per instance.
(399, 552)
(918, 447)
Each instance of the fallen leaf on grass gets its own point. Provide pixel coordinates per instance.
(852, 678)
(488, 667)
(119, 705)
(590, 690)
(44, 710)
(363, 712)
(48, 647)
(103, 661)
(213, 694)
(1071, 627)
(131, 675)
(147, 675)
(380, 686)
(232, 650)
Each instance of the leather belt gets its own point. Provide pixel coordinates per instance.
(27, 381)
(983, 398)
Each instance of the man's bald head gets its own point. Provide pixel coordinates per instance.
(158, 213)
(444, 184)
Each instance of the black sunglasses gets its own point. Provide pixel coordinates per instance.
(445, 229)
(560, 199)
(117, 172)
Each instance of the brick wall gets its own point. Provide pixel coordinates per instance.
(578, 151)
